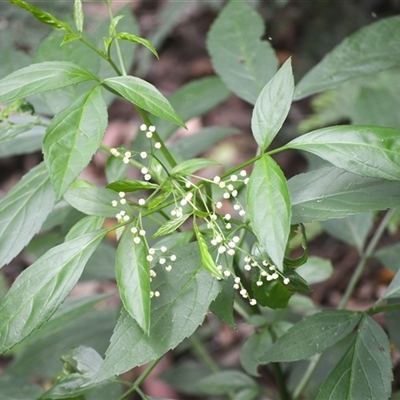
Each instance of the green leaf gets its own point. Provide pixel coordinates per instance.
(41, 77)
(23, 211)
(137, 39)
(190, 166)
(254, 349)
(369, 50)
(389, 256)
(39, 290)
(206, 258)
(133, 278)
(78, 15)
(365, 370)
(130, 185)
(222, 306)
(225, 382)
(315, 270)
(334, 193)
(314, 334)
(85, 225)
(43, 16)
(240, 58)
(268, 205)
(273, 294)
(95, 201)
(272, 106)
(353, 229)
(185, 295)
(364, 150)
(145, 96)
(393, 290)
(72, 138)
(170, 226)
(69, 37)
(14, 388)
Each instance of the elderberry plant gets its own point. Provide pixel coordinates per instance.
(187, 243)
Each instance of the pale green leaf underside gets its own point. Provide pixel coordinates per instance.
(185, 295)
(371, 49)
(190, 166)
(372, 151)
(41, 77)
(268, 205)
(95, 201)
(272, 106)
(40, 289)
(333, 193)
(144, 95)
(132, 271)
(23, 211)
(312, 335)
(244, 62)
(365, 370)
(72, 138)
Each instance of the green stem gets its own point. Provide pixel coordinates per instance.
(306, 377)
(363, 260)
(389, 307)
(202, 353)
(141, 379)
(280, 381)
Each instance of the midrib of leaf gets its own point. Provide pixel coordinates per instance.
(28, 300)
(242, 45)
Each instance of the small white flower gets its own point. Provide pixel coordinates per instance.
(213, 217)
(271, 267)
(228, 225)
(149, 134)
(247, 259)
(236, 207)
(143, 127)
(123, 201)
(114, 203)
(217, 179)
(218, 205)
(173, 213)
(231, 252)
(219, 267)
(234, 178)
(253, 302)
(221, 185)
(188, 184)
(259, 283)
(152, 251)
(230, 187)
(247, 267)
(122, 213)
(152, 128)
(246, 181)
(183, 202)
(163, 249)
(226, 195)
(234, 193)
(264, 273)
(219, 238)
(147, 177)
(136, 239)
(144, 170)
(213, 242)
(227, 217)
(168, 268)
(118, 216)
(173, 257)
(143, 154)
(157, 145)
(162, 261)
(236, 286)
(128, 154)
(269, 278)
(134, 230)
(227, 273)
(142, 232)
(121, 194)
(242, 213)
(149, 258)
(236, 239)
(243, 173)
(156, 293)
(114, 152)
(237, 279)
(142, 202)
(243, 293)
(153, 273)
(231, 244)
(126, 218)
(286, 281)
(221, 249)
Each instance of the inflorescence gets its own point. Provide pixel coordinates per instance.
(190, 199)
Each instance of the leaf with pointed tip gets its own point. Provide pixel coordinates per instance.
(189, 166)
(40, 289)
(312, 335)
(365, 370)
(371, 49)
(130, 185)
(240, 58)
(95, 201)
(268, 205)
(132, 271)
(41, 77)
(372, 151)
(333, 193)
(144, 95)
(137, 39)
(185, 295)
(23, 211)
(272, 106)
(170, 226)
(72, 138)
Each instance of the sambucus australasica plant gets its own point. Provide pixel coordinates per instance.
(188, 244)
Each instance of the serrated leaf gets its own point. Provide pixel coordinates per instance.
(23, 211)
(225, 382)
(365, 370)
(369, 50)
(185, 295)
(78, 15)
(145, 96)
(268, 205)
(333, 193)
(314, 334)
(272, 106)
(40, 289)
(41, 77)
(130, 185)
(189, 166)
(95, 201)
(240, 58)
(170, 226)
(137, 39)
(132, 271)
(72, 138)
(370, 151)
